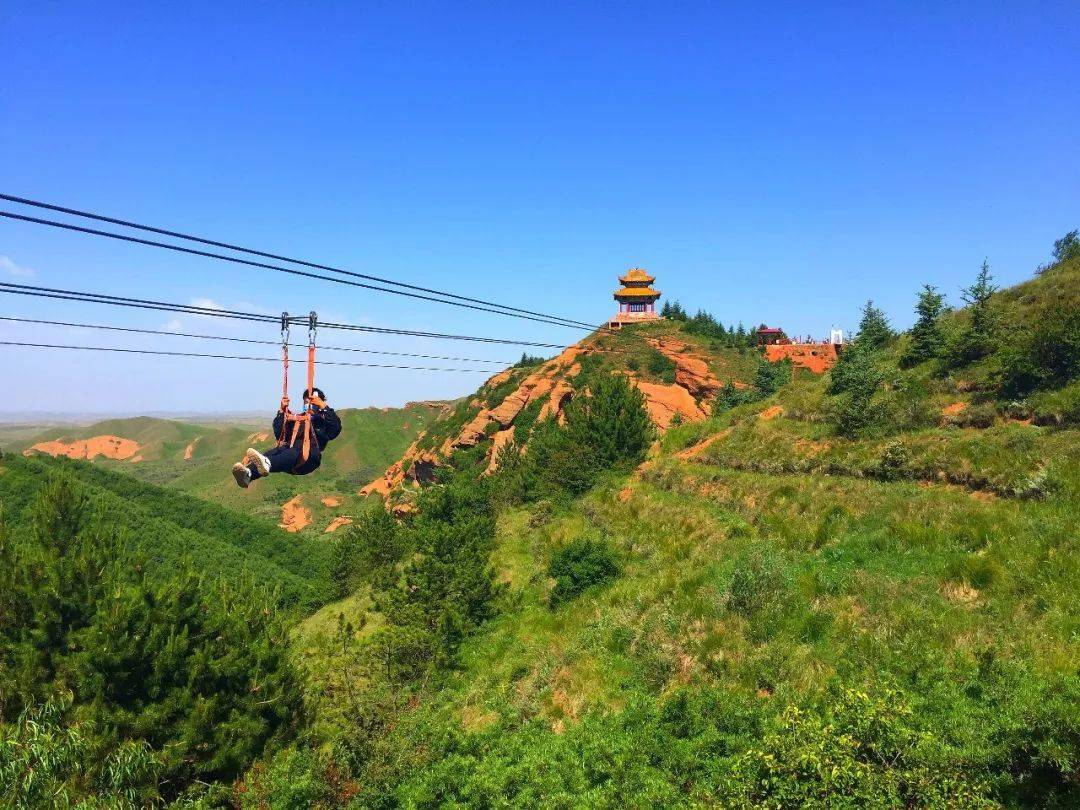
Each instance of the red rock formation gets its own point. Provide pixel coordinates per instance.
(294, 515)
(561, 393)
(337, 523)
(113, 447)
(498, 442)
(664, 401)
(691, 371)
(818, 357)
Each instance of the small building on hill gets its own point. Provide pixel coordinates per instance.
(815, 356)
(771, 335)
(637, 299)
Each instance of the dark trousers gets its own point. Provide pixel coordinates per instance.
(282, 459)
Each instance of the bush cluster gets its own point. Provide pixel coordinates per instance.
(578, 566)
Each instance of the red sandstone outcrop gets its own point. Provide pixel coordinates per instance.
(664, 401)
(691, 370)
(561, 393)
(818, 357)
(294, 515)
(688, 397)
(498, 442)
(337, 523)
(417, 466)
(771, 413)
(113, 447)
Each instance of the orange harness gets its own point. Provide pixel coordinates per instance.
(302, 431)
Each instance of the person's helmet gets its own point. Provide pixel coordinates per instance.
(318, 391)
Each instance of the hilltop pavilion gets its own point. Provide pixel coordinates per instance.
(637, 299)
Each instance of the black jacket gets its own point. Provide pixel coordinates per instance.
(326, 425)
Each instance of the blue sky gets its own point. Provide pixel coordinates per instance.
(780, 164)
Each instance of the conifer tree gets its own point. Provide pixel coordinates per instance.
(926, 338)
(1067, 247)
(874, 330)
(977, 297)
(612, 424)
(976, 340)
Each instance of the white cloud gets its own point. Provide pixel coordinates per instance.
(8, 265)
(258, 309)
(174, 325)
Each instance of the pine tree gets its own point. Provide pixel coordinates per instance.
(770, 376)
(612, 424)
(1067, 247)
(853, 381)
(926, 339)
(874, 329)
(976, 341)
(977, 297)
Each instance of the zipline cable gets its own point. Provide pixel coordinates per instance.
(278, 268)
(191, 309)
(133, 330)
(223, 356)
(250, 251)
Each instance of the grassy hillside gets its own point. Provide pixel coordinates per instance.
(773, 609)
(690, 578)
(196, 459)
(168, 529)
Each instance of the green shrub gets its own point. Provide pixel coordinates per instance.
(1042, 356)
(729, 397)
(863, 746)
(1057, 407)
(757, 582)
(853, 381)
(662, 366)
(769, 377)
(580, 565)
(367, 551)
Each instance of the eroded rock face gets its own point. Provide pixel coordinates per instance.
(337, 523)
(561, 393)
(664, 401)
(113, 447)
(691, 371)
(817, 357)
(689, 397)
(532, 387)
(422, 469)
(395, 475)
(474, 431)
(294, 515)
(498, 442)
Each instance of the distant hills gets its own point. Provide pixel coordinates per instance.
(196, 458)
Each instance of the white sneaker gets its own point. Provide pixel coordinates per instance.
(261, 462)
(242, 474)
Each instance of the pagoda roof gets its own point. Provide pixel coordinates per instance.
(637, 292)
(637, 274)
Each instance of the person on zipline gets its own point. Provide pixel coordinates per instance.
(288, 454)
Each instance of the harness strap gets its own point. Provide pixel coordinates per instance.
(300, 422)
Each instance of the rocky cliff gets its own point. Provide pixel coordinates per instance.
(678, 375)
